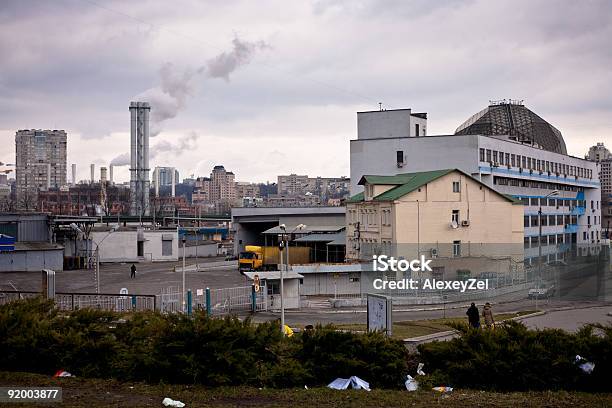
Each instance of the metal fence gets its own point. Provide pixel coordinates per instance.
(99, 301)
(239, 299)
(169, 300)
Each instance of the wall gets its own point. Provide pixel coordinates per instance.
(122, 246)
(32, 261)
(202, 250)
(153, 245)
(291, 296)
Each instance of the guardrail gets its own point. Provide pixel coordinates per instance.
(101, 301)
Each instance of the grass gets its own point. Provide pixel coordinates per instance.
(416, 328)
(91, 393)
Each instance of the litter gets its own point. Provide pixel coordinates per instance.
(443, 389)
(169, 402)
(420, 369)
(288, 331)
(62, 373)
(411, 383)
(343, 383)
(585, 366)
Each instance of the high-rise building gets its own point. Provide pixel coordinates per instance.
(509, 148)
(40, 163)
(139, 159)
(600, 154)
(162, 177)
(222, 185)
(292, 184)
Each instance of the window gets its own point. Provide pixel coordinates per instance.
(417, 130)
(524, 161)
(495, 156)
(552, 220)
(455, 216)
(456, 187)
(508, 159)
(488, 155)
(456, 248)
(273, 288)
(534, 220)
(513, 160)
(526, 221)
(482, 155)
(534, 201)
(166, 247)
(400, 157)
(526, 240)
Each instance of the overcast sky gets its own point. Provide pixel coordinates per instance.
(273, 87)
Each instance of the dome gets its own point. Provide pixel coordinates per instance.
(514, 120)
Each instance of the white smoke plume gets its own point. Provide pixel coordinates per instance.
(185, 142)
(225, 63)
(121, 160)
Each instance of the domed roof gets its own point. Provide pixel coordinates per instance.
(514, 120)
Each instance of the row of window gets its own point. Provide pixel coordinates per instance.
(505, 181)
(532, 220)
(555, 239)
(524, 162)
(557, 202)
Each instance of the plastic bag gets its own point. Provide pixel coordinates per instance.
(169, 402)
(355, 382)
(420, 369)
(443, 389)
(586, 366)
(411, 383)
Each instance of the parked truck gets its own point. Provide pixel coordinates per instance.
(256, 258)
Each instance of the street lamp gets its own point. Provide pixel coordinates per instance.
(285, 243)
(183, 291)
(97, 251)
(553, 193)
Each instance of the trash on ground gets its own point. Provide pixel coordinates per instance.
(420, 369)
(288, 331)
(411, 383)
(169, 402)
(443, 389)
(62, 373)
(584, 365)
(355, 382)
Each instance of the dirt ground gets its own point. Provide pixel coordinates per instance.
(89, 393)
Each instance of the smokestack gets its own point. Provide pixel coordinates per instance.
(110, 170)
(102, 174)
(139, 158)
(74, 174)
(156, 181)
(93, 171)
(173, 181)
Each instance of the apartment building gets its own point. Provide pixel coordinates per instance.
(40, 163)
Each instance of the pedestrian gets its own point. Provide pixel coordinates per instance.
(473, 316)
(487, 313)
(133, 272)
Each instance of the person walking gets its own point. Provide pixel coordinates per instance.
(473, 316)
(133, 272)
(487, 314)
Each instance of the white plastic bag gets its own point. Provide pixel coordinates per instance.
(169, 402)
(355, 382)
(420, 369)
(411, 383)
(586, 366)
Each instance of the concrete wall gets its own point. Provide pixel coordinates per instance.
(122, 246)
(378, 156)
(29, 261)
(331, 283)
(389, 123)
(291, 295)
(202, 251)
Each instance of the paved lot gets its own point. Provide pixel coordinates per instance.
(151, 278)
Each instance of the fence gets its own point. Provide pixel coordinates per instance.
(170, 300)
(101, 301)
(239, 299)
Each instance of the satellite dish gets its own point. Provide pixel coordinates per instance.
(454, 224)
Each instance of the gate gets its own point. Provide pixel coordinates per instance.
(239, 299)
(169, 300)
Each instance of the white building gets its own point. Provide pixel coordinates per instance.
(507, 147)
(136, 245)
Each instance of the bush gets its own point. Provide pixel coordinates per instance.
(513, 358)
(153, 347)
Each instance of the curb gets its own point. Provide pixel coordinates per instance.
(434, 336)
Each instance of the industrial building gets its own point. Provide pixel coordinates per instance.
(507, 147)
(139, 159)
(40, 163)
(165, 177)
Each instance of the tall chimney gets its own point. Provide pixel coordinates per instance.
(93, 171)
(156, 180)
(48, 176)
(173, 181)
(74, 174)
(102, 174)
(110, 171)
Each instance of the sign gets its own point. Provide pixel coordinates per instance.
(199, 292)
(257, 283)
(380, 313)
(123, 291)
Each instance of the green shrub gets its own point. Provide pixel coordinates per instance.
(511, 357)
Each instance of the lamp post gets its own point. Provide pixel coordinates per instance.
(183, 291)
(285, 244)
(553, 193)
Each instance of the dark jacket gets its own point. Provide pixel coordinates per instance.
(473, 315)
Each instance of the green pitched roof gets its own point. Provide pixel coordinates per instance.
(411, 182)
(356, 198)
(408, 182)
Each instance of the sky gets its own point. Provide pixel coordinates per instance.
(272, 87)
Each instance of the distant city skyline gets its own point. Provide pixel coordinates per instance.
(270, 93)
